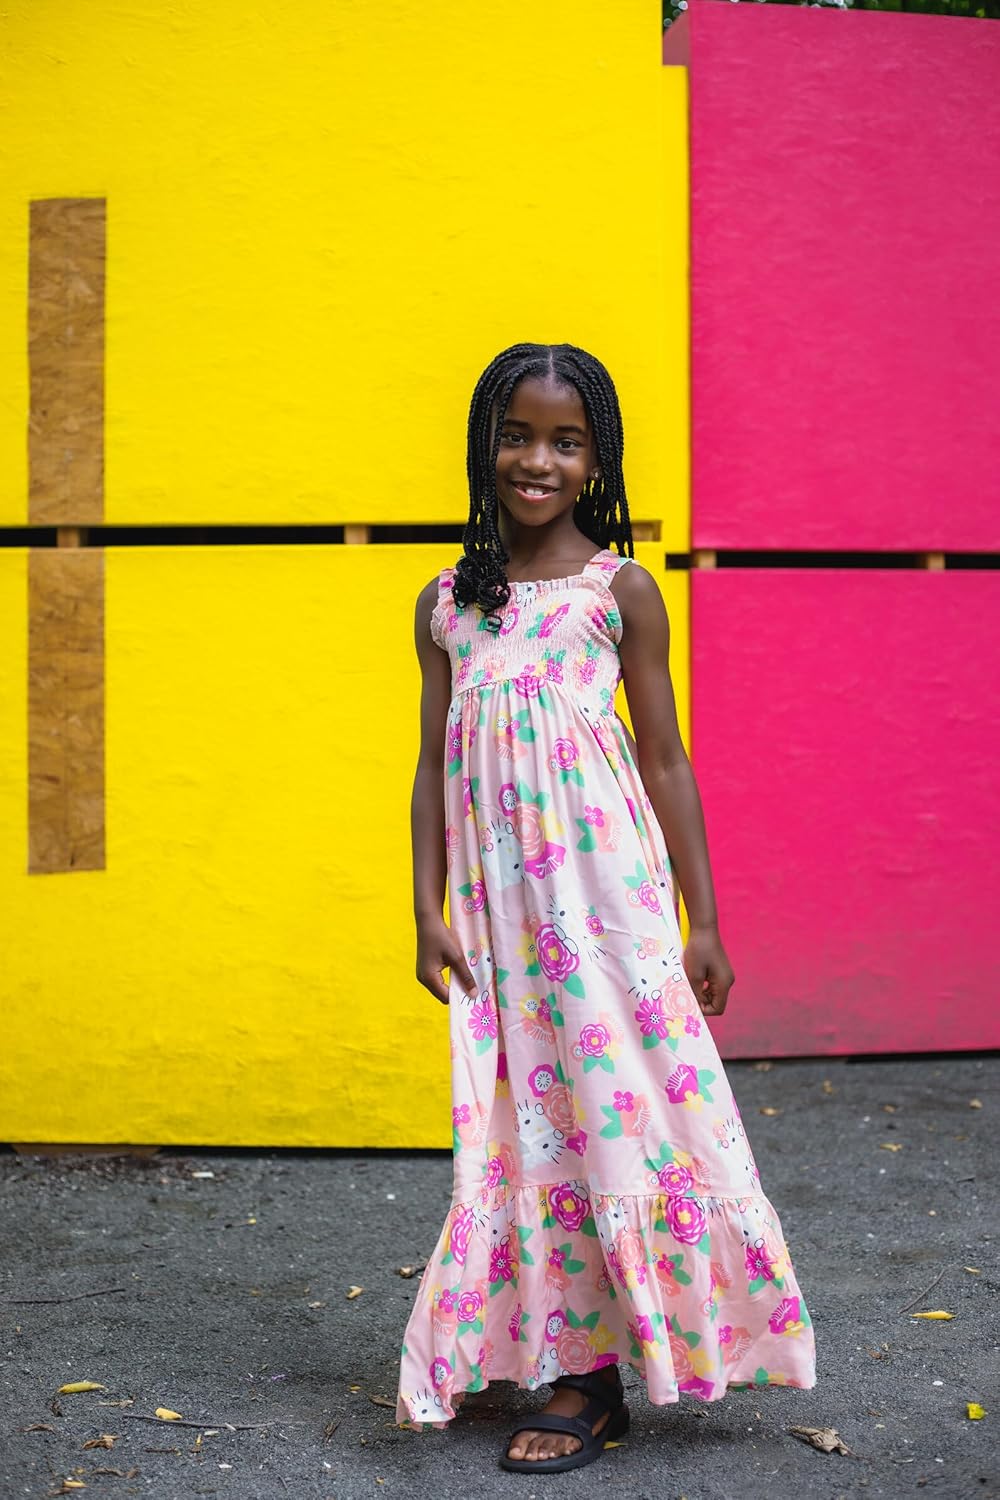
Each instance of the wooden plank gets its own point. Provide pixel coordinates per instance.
(65, 709)
(66, 255)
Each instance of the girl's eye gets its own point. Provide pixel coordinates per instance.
(510, 437)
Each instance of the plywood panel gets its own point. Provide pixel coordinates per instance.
(845, 282)
(845, 729)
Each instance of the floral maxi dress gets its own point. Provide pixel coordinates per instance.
(606, 1202)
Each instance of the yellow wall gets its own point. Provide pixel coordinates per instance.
(316, 238)
(324, 219)
(241, 973)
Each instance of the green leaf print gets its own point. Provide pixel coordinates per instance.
(705, 1244)
(524, 1234)
(544, 701)
(571, 775)
(705, 1077)
(522, 1336)
(589, 1227)
(574, 984)
(650, 1041)
(587, 843)
(636, 880)
(761, 1377)
(591, 1320)
(555, 1013)
(484, 1044)
(664, 1159)
(476, 1380)
(527, 734)
(572, 1319)
(474, 1327)
(613, 1129)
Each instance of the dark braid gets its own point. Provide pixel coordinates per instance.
(601, 511)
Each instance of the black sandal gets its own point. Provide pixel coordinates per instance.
(604, 1396)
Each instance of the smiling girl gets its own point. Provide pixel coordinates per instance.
(606, 1209)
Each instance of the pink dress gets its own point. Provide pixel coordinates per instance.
(606, 1202)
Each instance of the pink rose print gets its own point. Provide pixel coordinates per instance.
(553, 669)
(528, 685)
(595, 926)
(461, 1231)
(558, 1108)
(573, 1351)
(647, 895)
(651, 1021)
(482, 1020)
(681, 1356)
(540, 1080)
(494, 1172)
(682, 1081)
(470, 1305)
(569, 1207)
(631, 1249)
(556, 954)
(527, 822)
(786, 1317)
(686, 1220)
(594, 1040)
(587, 670)
(594, 816)
(564, 755)
(476, 899)
(674, 1179)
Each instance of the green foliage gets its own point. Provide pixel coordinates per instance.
(983, 8)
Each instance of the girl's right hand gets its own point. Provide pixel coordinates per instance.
(438, 948)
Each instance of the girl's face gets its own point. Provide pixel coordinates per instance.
(547, 450)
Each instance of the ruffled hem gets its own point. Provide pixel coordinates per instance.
(697, 1294)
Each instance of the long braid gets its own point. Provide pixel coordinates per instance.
(601, 511)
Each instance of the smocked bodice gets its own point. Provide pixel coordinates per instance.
(557, 633)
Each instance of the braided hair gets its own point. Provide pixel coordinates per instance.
(601, 511)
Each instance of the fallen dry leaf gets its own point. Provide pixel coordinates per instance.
(827, 1086)
(975, 1103)
(73, 1386)
(407, 1271)
(891, 1146)
(70, 1486)
(974, 1411)
(317, 1304)
(381, 1401)
(826, 1439)
(763, 1067)
(972, 1270)
(937, 1316)
(769, 1109)
(106, 1440)
(354, 1291)
(167, 1415)
(39, 1427)
(890, 1109)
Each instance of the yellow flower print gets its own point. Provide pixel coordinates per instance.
(702, 1362)
(694, 1102)
(683, 1158)
(601, 1338)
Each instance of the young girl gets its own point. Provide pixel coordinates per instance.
(606, 1206)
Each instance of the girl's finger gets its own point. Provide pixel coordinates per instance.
(464, 975)
(436, 985)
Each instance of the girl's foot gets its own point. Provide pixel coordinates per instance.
(531, 1444)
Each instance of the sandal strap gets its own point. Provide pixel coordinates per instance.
(549, 1421)
(610, 1394)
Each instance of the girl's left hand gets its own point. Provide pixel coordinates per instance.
(708, 970)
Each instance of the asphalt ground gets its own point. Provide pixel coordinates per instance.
(233, 1311)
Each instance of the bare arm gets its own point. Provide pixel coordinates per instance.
(437, 946)
(667, 775)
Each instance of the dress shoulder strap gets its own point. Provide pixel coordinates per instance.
(605, 564)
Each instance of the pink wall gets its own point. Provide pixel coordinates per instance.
(846, 736)
(845, 277)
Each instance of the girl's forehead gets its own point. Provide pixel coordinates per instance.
(538, 398)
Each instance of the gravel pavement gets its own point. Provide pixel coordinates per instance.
(233, 1267)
